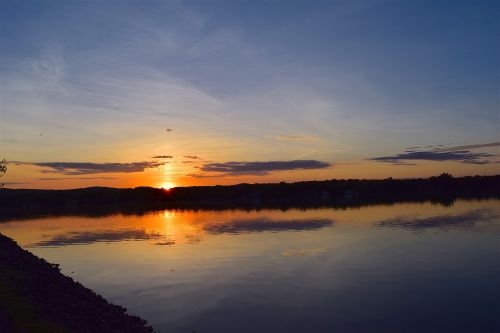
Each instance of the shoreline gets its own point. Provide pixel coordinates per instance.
(36, 297)
(443, 189)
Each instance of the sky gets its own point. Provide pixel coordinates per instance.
(185, 93)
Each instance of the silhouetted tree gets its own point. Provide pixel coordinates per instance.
(442, 189)
(3, 167)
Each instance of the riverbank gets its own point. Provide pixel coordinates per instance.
(36, 297)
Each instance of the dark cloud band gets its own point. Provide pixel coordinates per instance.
(83, 168)
(73, 178)
(262, 168)
(463, 156)
(479, 146)
(163, 156)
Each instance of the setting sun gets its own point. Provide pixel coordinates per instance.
(167, 185)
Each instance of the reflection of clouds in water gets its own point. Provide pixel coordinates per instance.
(87, 237)
(301, 252)
(467, 220)
(265, 224)
(192, 239)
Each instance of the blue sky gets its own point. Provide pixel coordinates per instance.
(337, 82)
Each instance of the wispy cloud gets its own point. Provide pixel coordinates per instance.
(78, 178)
(12, 183)
(163, 156)
(262, 168)
(199, 175)
(302, 252)
(83, 168)
(462, 154)
(468, 147)
(193, 157)
(296, 138)
(167, 242)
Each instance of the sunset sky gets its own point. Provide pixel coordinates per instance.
(181, 93)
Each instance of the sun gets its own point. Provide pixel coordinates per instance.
(167, 185)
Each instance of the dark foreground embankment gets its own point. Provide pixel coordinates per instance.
(36, 297)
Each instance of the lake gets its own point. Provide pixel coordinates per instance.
(409, 267)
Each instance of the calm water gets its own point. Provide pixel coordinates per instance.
(400, 268)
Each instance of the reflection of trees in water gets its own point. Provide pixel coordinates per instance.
(336, 194)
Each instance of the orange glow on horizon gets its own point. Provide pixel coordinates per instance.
(167, 185)
(30, 177)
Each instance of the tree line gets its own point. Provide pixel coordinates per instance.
(344, 192)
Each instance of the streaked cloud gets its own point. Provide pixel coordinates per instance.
(302, 252)
(83, 168)
(468, 147)
(193, 157)
(462, 154)
(163, 156)
(78, 178)
(296, 138)
(167, 242)
(262, 168)
(199, 175)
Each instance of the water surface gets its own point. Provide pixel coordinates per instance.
(399, 268)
